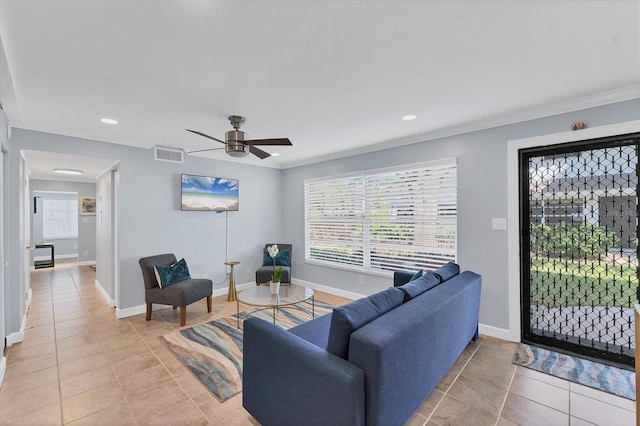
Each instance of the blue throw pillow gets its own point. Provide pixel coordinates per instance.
(416, 275)
(447, 271)
(283, 258)
(266, 259)
(419, 286)
(348, 318)
(167, 275)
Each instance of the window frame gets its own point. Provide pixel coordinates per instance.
(72, 197)
(449, 165)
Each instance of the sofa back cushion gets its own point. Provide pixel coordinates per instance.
(419, 286)
(348, 318)
(447, 271)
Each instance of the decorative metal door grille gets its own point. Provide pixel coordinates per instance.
(579, 245)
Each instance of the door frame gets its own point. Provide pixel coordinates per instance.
(513, 203)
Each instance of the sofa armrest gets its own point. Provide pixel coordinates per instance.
(401, 278)
(287, 380)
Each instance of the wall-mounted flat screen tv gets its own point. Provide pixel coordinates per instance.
(206, 193)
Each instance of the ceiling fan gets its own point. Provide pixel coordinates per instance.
(235, 143)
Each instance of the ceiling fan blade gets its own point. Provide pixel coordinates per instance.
(258, 152)
(205, 135)
(272, 142)
(204, 150)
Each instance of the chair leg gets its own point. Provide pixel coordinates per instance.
(183, 315)
(209, 300)
(148, 311)
(174, 307)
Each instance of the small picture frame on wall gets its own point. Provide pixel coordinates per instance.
(87, 205)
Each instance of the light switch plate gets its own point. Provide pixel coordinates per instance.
(499, 224)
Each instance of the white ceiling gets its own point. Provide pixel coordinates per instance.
(334, 76)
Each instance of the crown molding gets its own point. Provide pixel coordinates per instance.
(591, 101)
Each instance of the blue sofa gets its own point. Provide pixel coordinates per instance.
(370, 362)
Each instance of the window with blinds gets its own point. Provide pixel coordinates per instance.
(383, 220)
(60, 216)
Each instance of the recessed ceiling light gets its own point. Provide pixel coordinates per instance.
(275, 154)
(109, 121)
(409, 117)
(67, 171)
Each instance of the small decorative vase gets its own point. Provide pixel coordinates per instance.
(275, 287)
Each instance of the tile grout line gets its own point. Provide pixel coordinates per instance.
(506, 395)
(55, 343)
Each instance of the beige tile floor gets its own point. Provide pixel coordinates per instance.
(78, 364)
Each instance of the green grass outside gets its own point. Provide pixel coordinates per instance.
(582, 283)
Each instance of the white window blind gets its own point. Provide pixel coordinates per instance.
(59, 217)
(383, 220)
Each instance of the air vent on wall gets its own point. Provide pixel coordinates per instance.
(171, 155)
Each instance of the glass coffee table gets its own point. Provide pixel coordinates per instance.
(288, 295)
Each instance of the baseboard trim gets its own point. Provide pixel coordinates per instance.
(129, 312)
(110, 302)
(87, 263)
(223, 291)
(137, 310)
(28, 301)
(3, 369)
(17, 336)
(498, 333)
(331, 290)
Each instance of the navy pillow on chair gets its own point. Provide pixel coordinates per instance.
(348, 318)
(283, 258)
(167, 275)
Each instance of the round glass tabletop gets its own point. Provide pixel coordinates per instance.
(261, 295)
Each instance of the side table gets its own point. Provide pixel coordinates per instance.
(45, 263)
(231, 297)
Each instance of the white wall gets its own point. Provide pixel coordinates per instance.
(3, 240)
(482, 195)
(151, 221)
(104, 256)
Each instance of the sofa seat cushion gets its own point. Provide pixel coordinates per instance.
(417, 287)
(348, 318)
(315, 331)
(447, 271)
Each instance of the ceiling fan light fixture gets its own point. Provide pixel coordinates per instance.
(109, 121)
(409, 117)
(236, 149)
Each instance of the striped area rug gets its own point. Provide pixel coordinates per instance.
(213, 351)
(588, 373)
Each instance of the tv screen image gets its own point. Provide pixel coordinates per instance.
(206, 193)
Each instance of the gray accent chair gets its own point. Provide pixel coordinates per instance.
(265, 273)
(180, 294)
